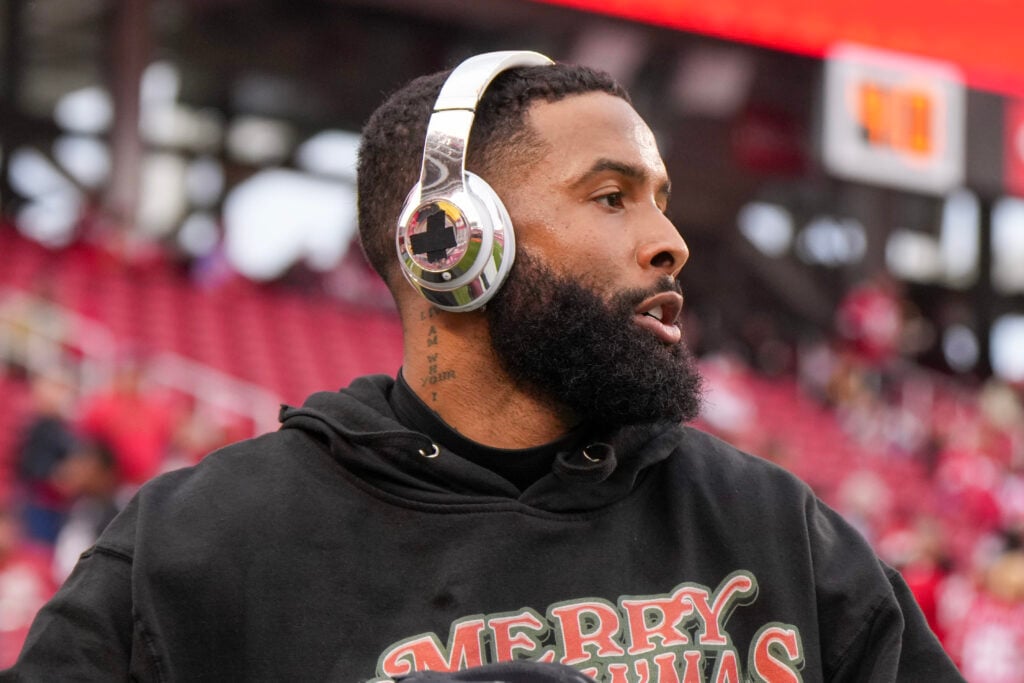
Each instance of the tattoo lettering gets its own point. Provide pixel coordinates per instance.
(436, 376)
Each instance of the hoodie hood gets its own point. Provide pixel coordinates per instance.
(364, 436)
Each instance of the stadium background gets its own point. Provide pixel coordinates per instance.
(177, 255)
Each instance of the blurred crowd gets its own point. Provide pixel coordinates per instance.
(74, 460)
(931, 470)
(957, 535)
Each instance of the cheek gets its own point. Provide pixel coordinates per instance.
(571, 237)
(587, 261)
(565, 245)
(605, 251)
(538, 223)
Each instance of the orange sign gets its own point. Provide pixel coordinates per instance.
(900, 118)
(893, 120)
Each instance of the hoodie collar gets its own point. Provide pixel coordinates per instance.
(522, 467)
(369, 440)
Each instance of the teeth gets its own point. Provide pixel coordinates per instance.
(654, 313)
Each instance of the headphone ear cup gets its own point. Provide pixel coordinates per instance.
(499, 224)
(454, 236)
(456, 250)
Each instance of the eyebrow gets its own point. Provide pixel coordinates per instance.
(631, 171)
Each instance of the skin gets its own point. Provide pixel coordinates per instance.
(592, 207)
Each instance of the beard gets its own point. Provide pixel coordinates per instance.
(560, 339)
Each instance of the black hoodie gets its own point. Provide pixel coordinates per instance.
(338, 549)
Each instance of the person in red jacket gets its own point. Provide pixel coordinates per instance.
(133, 425)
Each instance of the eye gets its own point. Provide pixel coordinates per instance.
(613, 200)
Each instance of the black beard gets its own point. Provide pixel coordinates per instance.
(561, 339)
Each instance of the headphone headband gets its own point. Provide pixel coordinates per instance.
(444, 150)
(467, 82)
(454, 239)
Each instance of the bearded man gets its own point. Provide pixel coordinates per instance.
(525, 489)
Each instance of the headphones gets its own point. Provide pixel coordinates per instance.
(454, 239)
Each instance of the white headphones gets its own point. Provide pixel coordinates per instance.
(454, 239)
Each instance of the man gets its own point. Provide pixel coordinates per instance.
(524, 490)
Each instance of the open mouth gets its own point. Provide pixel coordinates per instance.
(659, 314)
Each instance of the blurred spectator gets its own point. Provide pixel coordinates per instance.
(919, 552)
(25, 584)
(870, 320)
(865, 500)
(91, 477)
(987, 638)
(728, 407)
(46, 442)
(846, 385)
(816, 363)
(968, 480)
(133, 425)
(198, 430)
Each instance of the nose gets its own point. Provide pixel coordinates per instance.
(663, 248)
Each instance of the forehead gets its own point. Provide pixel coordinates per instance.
(581, 128)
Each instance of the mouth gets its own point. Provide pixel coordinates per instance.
(659, 315)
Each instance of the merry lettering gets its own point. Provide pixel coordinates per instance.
(676, 637)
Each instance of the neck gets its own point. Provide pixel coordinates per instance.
(448, 362)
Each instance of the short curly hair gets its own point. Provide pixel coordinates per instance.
(391, 151)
